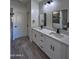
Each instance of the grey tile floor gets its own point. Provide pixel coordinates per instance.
(22, 48)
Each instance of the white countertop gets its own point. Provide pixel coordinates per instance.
(64, 39)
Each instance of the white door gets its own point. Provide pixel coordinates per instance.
(19, 24)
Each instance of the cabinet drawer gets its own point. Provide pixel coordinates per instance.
(40, 38)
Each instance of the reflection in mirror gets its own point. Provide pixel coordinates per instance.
(60, 19)
(56, 19)
(43, 19)
(65, 23)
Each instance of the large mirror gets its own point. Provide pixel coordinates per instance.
(56, 19)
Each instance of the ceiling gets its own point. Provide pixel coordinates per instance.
(24, 1)
(21, 1)
(27, 1)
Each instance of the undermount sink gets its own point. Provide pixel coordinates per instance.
(56, 34)
(44, 30)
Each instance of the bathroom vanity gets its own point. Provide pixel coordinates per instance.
(56, 46)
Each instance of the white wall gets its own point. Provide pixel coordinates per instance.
(19, 19)
(34, 13)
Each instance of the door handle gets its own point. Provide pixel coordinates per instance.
(41, 40)
(35, 35)
(41, 35)
(52, 47)
(41, 46)
(15, 26)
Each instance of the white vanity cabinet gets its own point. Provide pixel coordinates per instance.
(53, 48)
(58, 50)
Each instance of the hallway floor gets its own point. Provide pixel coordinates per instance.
(22, 48)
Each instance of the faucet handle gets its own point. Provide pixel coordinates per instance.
(41, 26)
(58, 30)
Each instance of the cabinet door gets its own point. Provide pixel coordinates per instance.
(39, 39)
(34, 35)
(67, 52)
(64, 51)
(56, 49)
(47, 46)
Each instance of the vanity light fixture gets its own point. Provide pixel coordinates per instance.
(49, 1)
